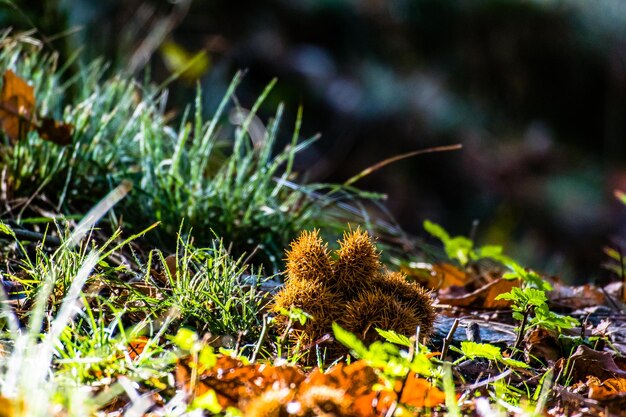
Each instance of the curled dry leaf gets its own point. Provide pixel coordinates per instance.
(543, 344)
(54, 131)
(233, 381)
(586, 362)
(483, 297)
(577, 297)
(446, 275)
(435, 276)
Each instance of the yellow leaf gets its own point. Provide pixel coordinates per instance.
(188, 65)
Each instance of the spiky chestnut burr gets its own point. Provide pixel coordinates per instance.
(315, 298)
(308, 258)
(409, 294)
(374, 309)
(357, 262)
(353, 290)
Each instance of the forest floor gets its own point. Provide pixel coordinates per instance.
(153, 269)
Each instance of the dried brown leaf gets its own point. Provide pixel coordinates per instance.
(484, 297)
(586, 362)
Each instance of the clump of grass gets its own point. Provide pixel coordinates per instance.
(63, 346)
(221, 179)
(208, 289)
(237, 198)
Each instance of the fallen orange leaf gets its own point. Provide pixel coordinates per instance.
(17, 104)
(418, 392)
(607, 389)
(136, 346)
(447, 275)
(17, 113)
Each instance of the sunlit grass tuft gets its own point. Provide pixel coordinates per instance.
(224, 178)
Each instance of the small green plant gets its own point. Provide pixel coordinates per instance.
(95, 347)
(531, 298)
(462, 248)
(54, 339)
(205, 357)
(393, 362)
(530, 303)
(529, 278)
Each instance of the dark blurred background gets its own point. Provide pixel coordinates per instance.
(534, 90)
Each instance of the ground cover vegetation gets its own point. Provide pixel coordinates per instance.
(153, 268)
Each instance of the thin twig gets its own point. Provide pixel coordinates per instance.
(448, 340)
(487, 381)
(396, 158)
(262, 338)
(520, 334)
(30, 235)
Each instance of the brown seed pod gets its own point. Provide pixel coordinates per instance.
(409, 294)
(357, 262)
(308, 258)
(373, 309)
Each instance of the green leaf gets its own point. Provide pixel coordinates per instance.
(421, 364)
(507, 296)
(515, 363)
(207, 356)
(6, 229)
(489, 251)
(393, 337)
(185, 339)
(296, 314)
(180, 61)
(459, 248)
(517, 316)
(473, 350)
(207, 401)
(526, 275)
(551, 320)
(436, 230)
(535, 297)
(350, 341)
